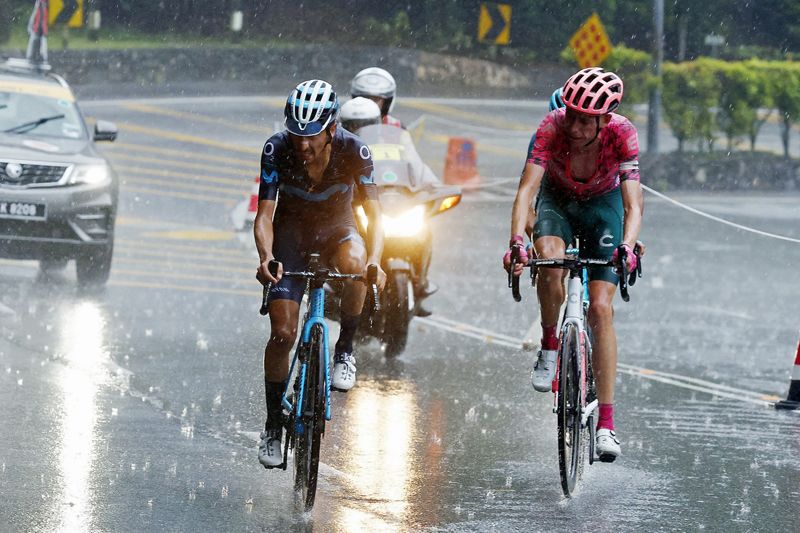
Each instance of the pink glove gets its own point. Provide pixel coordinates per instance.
(522, 255)
(630, 257)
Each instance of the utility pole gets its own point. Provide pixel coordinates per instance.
(654, 113)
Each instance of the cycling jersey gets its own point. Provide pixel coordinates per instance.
(313, 217)
(348, 176)
(617, 159)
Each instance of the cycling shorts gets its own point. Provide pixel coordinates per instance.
(292, 245)
(596, 221)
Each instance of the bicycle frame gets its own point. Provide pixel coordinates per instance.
(314, 316)
(576, 309)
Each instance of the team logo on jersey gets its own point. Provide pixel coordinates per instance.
(364, 152)
(269, 178)
(607, 240)
(269, 148)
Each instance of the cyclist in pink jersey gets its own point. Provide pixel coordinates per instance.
(584, 167)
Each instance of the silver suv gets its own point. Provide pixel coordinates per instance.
(58, 195)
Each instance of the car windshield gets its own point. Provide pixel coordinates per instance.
(39, 115)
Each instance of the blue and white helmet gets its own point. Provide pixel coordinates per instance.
(311, 107)
(556, 102)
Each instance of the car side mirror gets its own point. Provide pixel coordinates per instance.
(105, 131)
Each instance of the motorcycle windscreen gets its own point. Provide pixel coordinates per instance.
(396, 161)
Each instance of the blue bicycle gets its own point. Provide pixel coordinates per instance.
(309, 401)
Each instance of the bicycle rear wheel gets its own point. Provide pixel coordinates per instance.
(570, 434)
(311, 426)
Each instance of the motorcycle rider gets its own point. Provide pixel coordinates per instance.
(379, 86)
(359, 112)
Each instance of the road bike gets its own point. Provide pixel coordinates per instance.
(574, 391)
(308, 403)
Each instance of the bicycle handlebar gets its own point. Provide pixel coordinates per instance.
(626, 278)
(322, 275)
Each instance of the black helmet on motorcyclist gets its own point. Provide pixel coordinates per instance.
(376, 84)
(359, 112)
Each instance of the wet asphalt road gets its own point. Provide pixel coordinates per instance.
(137, 409)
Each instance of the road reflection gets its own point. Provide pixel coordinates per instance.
(82, 349)
(375, 454)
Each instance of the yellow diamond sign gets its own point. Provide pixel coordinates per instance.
(590, 43)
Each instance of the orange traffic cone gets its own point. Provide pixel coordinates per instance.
(461, 163)
(792, 401)
(252, 206)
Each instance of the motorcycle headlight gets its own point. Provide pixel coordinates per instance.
(405, 224)
(90, 174)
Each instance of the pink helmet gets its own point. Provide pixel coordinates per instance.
(593, 91)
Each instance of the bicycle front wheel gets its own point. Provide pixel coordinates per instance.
(570, 434)
(311, 426)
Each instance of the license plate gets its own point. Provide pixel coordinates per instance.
(22, 210)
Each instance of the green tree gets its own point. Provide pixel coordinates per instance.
(784, 86)
(690, 91)
(740, 97)
(7, 17)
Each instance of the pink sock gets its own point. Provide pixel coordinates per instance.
(606, 416)
(549, 338)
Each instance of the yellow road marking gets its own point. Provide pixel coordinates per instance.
(479, 147)
(188, 154)
(183, 137)
(173, 162)
(151, 222)
(647, 372)
(195, 266)
(275, 102)
(177, 275)
(181, 195)
(127, 178)
(136, 251)
(190, 235)
(245, 183)
(200, 289)
(483, 120)
(195, 117)
(184, 247)
(770, 398)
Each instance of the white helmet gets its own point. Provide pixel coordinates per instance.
(359, 112)
(376, 82)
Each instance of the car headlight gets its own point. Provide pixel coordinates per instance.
(406, 224)
(90, 174)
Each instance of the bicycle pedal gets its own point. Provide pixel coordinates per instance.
(339, 390)
(606, 458)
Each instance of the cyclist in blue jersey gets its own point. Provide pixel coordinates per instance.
(310, 175)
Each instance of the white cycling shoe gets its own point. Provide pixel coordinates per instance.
(344, 372)
(544, 371)
(270, 451)
(607, 445)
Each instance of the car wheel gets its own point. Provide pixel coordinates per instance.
(94, 267)
(51, 265)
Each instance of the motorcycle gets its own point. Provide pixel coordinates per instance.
(410, 194)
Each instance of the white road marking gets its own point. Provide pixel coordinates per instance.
(684, 382)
